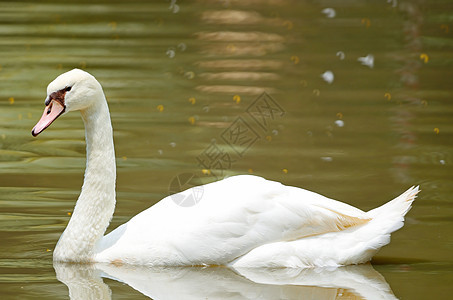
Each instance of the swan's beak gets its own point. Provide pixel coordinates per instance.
(50, 114)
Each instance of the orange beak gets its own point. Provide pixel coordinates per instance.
(50, 114)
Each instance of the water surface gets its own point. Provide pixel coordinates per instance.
(178, 75)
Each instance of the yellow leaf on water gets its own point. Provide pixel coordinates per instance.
(424, 57)
(231, 48)
(288, 24)
(113, 25)
(367, 22)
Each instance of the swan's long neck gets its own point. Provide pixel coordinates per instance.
(96, 202)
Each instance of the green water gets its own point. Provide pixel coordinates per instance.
(177, 76)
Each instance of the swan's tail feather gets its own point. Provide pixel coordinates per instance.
(352, 245)
(369, 238)
(385, 220)
(397, 207)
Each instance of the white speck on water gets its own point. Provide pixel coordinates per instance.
(339, 123)
(328, 76)
(182, 46)
(174, 7)
(341, 55)
(170, 53)
(327, 158)
(394, 2)
(329, 12)
(367, 60)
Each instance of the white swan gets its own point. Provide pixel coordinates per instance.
(241, 221)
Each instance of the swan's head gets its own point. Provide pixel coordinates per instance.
(73, 90)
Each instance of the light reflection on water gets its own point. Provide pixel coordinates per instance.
(177, 78)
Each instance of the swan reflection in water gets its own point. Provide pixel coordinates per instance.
(350, 282)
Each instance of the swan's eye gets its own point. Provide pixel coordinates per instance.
(67, 89)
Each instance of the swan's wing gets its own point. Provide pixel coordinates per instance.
(244, 212)
(234, 216)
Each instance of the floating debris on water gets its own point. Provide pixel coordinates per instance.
(424, 57)
(328, 76)
(339, 123)
(341, 55)
(329, 12)
(367, 60)
(295, 59)
(170, 53)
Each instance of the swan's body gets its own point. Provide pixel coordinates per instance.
(240, 221)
